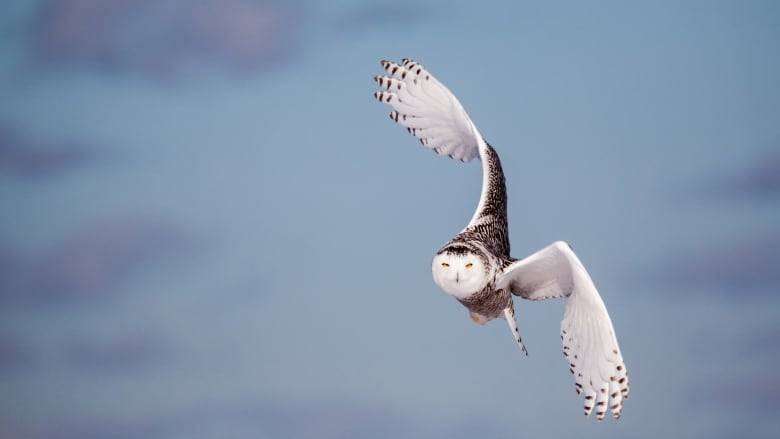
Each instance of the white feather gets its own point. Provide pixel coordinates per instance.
(422, 102)
(430, 112)
(588, 338)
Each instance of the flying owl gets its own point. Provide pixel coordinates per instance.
(475, 266)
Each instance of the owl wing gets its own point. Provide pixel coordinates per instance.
(428, 110)
(589, 342)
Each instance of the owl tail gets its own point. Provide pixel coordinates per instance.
(509, 315)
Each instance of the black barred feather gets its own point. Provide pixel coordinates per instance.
(488, 276)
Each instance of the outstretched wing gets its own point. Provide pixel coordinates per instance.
(589, 342)
(428, 110)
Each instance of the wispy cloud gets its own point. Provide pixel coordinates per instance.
(367, 16)
(236, 420)
(125, 352)
(758, 180)
(740, 268)
(254, 419)
(94, 263)
(750, 393)
(13, 353)
(25, 157)
(165, 38)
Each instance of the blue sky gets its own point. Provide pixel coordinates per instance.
(211, 229)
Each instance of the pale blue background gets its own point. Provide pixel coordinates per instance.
(215, 250)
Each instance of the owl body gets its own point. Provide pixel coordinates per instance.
(485, 239)
(487, 304)
(475, 266)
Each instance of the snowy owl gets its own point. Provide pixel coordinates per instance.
(475, 266)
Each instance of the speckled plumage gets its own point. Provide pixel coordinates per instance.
(489, 225)
(475, 266)
(488, 236)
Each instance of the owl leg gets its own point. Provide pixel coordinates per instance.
(509, 315)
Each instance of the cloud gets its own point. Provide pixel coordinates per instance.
(94, 263)
(120, 353)
(736, 406)
(165, 38)
(235, 420)
(252, 419)
(368, 16)
(13, 354)
(10, 269)
(27, 158)
(758, 180)
(750, 393)
(741, 268)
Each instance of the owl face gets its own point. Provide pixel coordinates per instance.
(460, 273)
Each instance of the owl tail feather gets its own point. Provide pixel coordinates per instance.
(509, 315)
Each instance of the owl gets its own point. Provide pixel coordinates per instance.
(475, 266)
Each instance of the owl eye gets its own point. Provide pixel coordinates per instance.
(444, 264)
(469, 265)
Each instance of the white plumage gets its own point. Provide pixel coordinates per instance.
(587, 335)
(475, 266)
(429, 111)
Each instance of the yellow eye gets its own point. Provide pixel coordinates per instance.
(469, 265)
(444, 264)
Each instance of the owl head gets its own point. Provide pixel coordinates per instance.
(460, 270)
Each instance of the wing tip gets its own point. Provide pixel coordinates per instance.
(384, 96)
(441, 126)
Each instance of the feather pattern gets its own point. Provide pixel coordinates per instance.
(587, 335)
(428, 109)
(431, 113)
